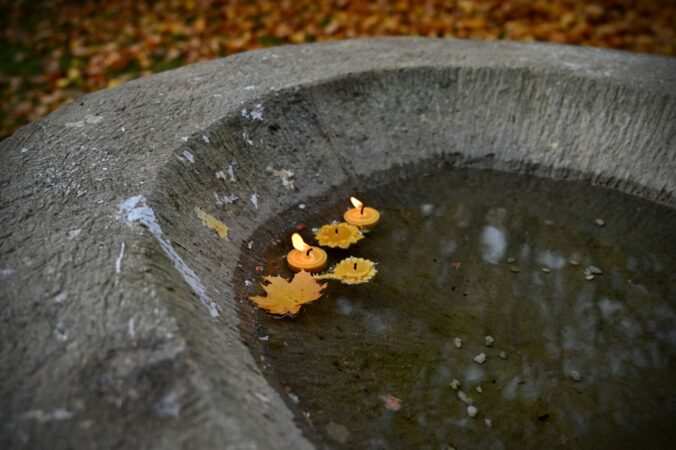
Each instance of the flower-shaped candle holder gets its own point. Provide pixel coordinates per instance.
(341, 235)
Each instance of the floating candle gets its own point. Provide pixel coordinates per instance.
(305, 257)
(361, 215)
(340, 235)
(351, 271)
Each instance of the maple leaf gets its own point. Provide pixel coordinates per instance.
(287, 298)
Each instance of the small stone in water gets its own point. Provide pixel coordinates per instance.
(575, 375)
(546, 269)
(511, 260)
(599, 222)
(515, 269)
(479, 390)
(488, 423)
(472, 411)
(455, 384)
(593, 270)
(458, 342)
(465, 398)
(503, 355)
(589, 277)
(574, 262)
(488, 341)
(480, 358)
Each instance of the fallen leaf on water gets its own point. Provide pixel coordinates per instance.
(287, 298)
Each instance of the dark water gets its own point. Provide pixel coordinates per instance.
(461, 253)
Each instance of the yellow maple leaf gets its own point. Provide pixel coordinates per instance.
(287, 298)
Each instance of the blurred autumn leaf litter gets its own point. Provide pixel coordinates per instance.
(53, 51)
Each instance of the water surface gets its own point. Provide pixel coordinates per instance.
(469, 253)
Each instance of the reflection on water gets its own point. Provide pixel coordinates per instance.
(576, 362)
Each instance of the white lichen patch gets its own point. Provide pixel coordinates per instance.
(88, 119)
(189, 157)
(4, 273)
(118, 260)
(222, 200)
(247, 139)
(285, 175)
(168, 406)
(205, 138)
(254, 200)
(255, 114)
(135, 209)
(57, 414)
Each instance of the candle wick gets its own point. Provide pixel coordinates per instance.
(355, 266)
(308, 251)
(362, 209)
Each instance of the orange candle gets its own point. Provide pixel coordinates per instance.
(305, 257)
(361, 215)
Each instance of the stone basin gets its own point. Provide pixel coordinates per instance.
(120, 326)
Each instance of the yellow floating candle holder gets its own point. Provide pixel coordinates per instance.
(361, 215)
(351, 271)
(305, 257)
(340, 235)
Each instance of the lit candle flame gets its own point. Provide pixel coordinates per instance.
(357, 204)
(298, 242)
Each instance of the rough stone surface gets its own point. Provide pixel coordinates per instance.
(119, 325)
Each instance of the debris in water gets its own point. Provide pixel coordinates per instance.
(574, 262)
(546, 269)
(458, 342)
(589, 277)
(479, 390)
(502, 355)
(515, 269)
(480, 358)
(467, 400)
(488, 341)
(337, 432)
(592, 270)
(575, 375)
(455, 384)
(511, 260)
(599, 222)
(488, 423)
(472, 411)
(391, 402)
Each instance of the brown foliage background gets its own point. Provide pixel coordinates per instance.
(52, 51)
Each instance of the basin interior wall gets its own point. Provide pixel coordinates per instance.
(167, 366)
